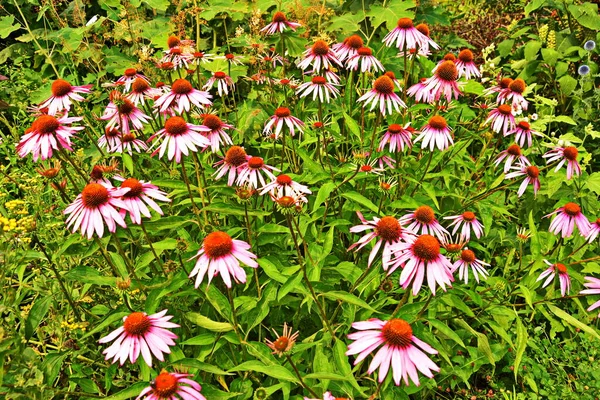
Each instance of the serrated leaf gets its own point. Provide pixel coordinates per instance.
(8, 26)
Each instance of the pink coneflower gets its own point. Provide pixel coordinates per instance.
(396, 81)
(186, 45)
(62, 94)
(318, 86)
(140, 195)
(447, 57)
(467, 259)
(469, 221)
(121, 112)
(389, 232)
(279, 24)
(320, 56)
(511, 154)
(182, 93)
(202, 58)
(443, 82)
(423, 220)
(273, 59)
(501, 119)
(283, 185)
(96, 204)
(531, 174)
(129, 77)
(436, 133)
(465, 65)
(283, 343)
(420, 254)
(451, 245)
(348, 48)
(141, 333)
(406, 36)
(172, 386)
(593, 231)
(179, 137)
(140, 91)
(368, 167)
(368, 63)
(566, 217)
(565, 154)
(514, 92)
(217, 135)
(128, 144)
(47, 133)
(397, 137)
(424, 29)
(501, 84)
(383, 93)
(401, 351)
(231, 164)
(420, 92)
(232, 59)
(593, 287)
(178, 57)
(223, 81)
(327, 396)
(523, 133)
(110, 140)
(283, 116)
(563, 276)
(220, 254)
(252, 171)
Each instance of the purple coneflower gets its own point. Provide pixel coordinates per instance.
(465, 65)
(172, 386)
(435, 133)
(121, 112)
(319, 87)
(531, 174)
(140, 195)
(501, 119)
(567, 217)
(368, 63)
(279, 24)
(283, 116)
(179, 137)
(563, 276)
(593, 287)
(444, 82)
(217, 135)
(283, 343)
(283, 185)
(406, 36)
(348, 48)
(129, 77)
(231, 164)
(183, 94)
(223, 81)
(47, 133)
(514, 92)
(140, 91)
(383, 93)
(252, 171)
(469, 221)
(593, 231)
(423, 220)
(467, 259)
(511, 154)
(420, 92)
(523, 133)
(320, 56)
(397, 137)
(62, 95)
(565, 155)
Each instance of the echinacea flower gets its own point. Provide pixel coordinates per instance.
(252, 171)
(501, 84)
(400, 350)
(110, 139)
(223, 81)
(95, 205)
(383, 93)
(172, 386)
(202, 58)
(514, 92)
(129, 77)
(423, 220)
(567, 217)
(444, 82)
(279, 24)
(513, 153)
(414, 53)
(327, 396)
(283, 185)
(220, 254)
(523, 133)
(531, 174)
(140, 91)
(348, 48)
(283, 116)
(368, 63)
(141, 194)
(179, 137)
(420, 255)
(424, 46)
(319, 87)
(283, 343)
(467, 259)
(217, 135)
(181, 96)
(178, 57)
(563, 276)
(387, 230)
(62, 95)
(565, 155)
(465, 65)
(593, 231)
(231, 164)
(501, 119)
(397, 137)
(141, 333)
(435, 133)
(406, 36)
(593, 287)
(420, 92)
(48, 133)
(469, 221)
(396, 81)
(121, 113)
(451, 245)
(320, 56)
(128, 144)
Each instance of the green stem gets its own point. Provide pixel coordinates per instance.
(312, 392)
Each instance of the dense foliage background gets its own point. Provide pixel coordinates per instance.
(505, 337)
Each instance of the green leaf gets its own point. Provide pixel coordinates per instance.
(532, 6)
(349, 298)
(90, 275)
(160, 5)
(275, 371)
(200, 366)
(323, 194)
(531, 50)
(7, 27)
(207, 323)
(521, 344)
(391, 14)
(132, 391)
(36, 314)
(593, 182)
(445, 330)
(568, 318)
(535, 240)
(505, 47)
(52, 365)
(550, 56)
(345, 22)
(352, 125)
(203, 339)
(326, 376)
(293, 281)
(567, 84)
(360, 199)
